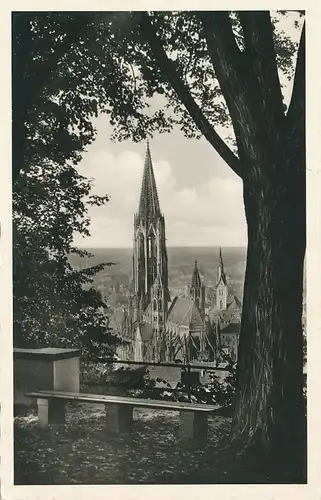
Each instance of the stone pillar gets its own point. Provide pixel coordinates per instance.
(50, 412)
(119, 418)
(193, 426)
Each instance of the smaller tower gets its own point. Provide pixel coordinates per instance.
(197, 290)
(221, 286)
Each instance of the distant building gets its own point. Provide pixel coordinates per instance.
(229, 339)
(225, 315)
(154, 327)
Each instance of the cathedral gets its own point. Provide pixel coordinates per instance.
(156, 327)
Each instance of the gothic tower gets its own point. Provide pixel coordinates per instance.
(159, 306)
(197, 290)
(150, 255)
(221, 286)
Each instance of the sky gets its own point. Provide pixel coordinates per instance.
(200, 196)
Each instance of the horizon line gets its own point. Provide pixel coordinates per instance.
(167, 246)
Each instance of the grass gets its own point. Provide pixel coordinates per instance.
(82, 453)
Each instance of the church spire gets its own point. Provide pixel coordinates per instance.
(221, 292)
(148, 204)
(197, 289)
(196, 279)
(221, 272)
(150, 256)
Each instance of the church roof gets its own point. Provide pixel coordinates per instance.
(232, 328)
(234, 302)
(183, 312)
(148, 203)
(196, 279)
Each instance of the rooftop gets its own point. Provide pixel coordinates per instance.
(182, 311)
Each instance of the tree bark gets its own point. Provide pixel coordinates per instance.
(270, 410)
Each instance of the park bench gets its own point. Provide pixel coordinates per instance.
(119, 411)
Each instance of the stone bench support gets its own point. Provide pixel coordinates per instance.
(119, 418)
(51, 412)
(193, 426)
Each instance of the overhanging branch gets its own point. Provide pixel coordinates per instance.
(296, 111)
(148, 33)
(228, 62)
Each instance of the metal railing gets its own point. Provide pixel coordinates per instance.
(184, 367)
(153, 363)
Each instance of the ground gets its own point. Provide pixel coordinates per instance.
(82, 453)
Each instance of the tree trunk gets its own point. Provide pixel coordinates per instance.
(270, 409)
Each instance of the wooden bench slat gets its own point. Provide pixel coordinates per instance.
(98, 398)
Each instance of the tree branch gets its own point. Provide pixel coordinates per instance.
(260, 52)
(296, 109)
(168, 67)
(231, 70)
(226, 57)
(248, 79)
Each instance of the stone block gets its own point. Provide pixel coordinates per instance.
(44, 369)
(119, 418)
(193, 426)
(51, 412)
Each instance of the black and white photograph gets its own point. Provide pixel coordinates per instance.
(159, 229)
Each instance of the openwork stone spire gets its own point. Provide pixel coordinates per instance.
(150, 255)
(149, 204)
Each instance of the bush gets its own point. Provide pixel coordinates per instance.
(92, 373)
(138, 383)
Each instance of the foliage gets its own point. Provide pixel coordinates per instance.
(108, 375)
(225, 391)
(55, 97)
(126, 59)
(93, 372)
(54, 102)
(167, 53)
(139, 383)
(54, 304)
(218, 391)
